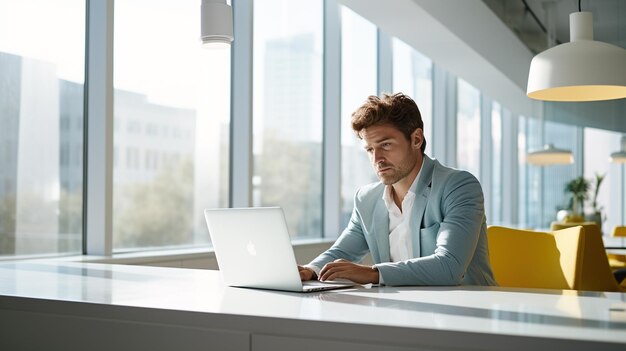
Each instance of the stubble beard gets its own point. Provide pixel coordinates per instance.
(397, 173)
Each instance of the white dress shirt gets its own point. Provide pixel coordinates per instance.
(400, 240)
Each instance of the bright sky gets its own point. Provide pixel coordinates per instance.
(156, 52)
(51, 31)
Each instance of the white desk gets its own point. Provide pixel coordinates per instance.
(57, 305)
(614, 242)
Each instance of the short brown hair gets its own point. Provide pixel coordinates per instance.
(398, 109)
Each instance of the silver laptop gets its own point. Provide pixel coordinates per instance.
(253, 250)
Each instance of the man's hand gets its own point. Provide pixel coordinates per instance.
(343, 269)
(306, 273)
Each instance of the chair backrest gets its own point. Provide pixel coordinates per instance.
(529, 259)
(597, 274)
(619, 231)
(560, 225)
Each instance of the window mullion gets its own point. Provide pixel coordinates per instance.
(332, 121)
(98, 184)
(241, 108)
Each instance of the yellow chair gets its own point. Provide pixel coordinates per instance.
(529, 259)
(619, 231)
(617, 261)
(560, 225)
(597, 274)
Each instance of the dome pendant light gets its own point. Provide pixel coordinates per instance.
(581, 70)
(550, 155)
(619, 156)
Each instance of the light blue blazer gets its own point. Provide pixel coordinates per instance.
(448, 230)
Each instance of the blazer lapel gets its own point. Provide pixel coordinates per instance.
(421, 200)
(380, 226)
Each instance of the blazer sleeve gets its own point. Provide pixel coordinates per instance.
(351, 244)
(463, 216)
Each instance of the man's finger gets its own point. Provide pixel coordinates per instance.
(331, 272)
(306, 273)
(336, 263)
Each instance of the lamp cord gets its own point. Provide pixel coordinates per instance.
(579, 10)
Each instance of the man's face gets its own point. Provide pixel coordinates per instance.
(392, 155)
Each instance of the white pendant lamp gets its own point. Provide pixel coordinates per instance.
(581, 70)
(216, 24)
(549, 155)
(619, 156)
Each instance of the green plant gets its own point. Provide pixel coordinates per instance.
(578, 188)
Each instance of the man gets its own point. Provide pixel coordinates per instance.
(423, 223)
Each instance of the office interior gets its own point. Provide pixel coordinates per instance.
(116, 134)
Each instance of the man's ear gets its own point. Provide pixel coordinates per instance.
(417, 138)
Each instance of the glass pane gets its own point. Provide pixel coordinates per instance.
(522, 168)
(599, 144)
(495, 217)
(287, 111)
(468, 128)
(358, 77)
(41, 119)
(555, 177)
(534, 210)
(412, 75)
(172, 118)
(529, 138)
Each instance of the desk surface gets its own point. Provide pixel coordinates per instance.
(554, 314)
(611, 242)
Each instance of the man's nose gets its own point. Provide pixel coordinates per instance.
(378, 156)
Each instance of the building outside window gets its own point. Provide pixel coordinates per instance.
(42, 64)
(287, 111)
(174, 106)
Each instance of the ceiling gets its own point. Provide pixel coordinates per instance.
(479, 41)
(609, 20)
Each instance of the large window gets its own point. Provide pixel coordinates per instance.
(287, 111)
(172, 117)
(541, 193)
(495, 217)
(172, 129)
(554, 178)
(468, 128)
(42, 67)
(412, 75)
(358, 77)
(529, 177)
(599, 144)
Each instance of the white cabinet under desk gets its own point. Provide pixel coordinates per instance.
(50, 305)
